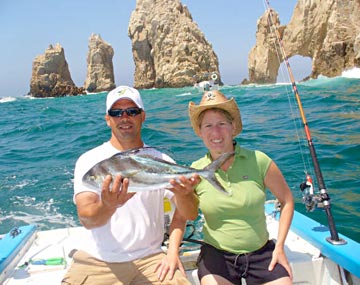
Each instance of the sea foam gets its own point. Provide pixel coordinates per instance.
(351, 73)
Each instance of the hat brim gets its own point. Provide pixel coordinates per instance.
(229, 106)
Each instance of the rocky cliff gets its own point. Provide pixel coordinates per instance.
(100, 70)
(51, 76)
(263, 61)
(326, 31)
(169, 50)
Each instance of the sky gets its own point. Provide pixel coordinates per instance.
(28, 27)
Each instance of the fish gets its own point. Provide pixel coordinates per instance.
(146, 172)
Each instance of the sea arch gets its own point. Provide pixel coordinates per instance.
(327, 32)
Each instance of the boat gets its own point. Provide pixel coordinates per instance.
(207, 85)
(29, 256)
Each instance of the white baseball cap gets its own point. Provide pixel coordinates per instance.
(123, 92)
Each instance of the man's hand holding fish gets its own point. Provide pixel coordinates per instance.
(115, 194)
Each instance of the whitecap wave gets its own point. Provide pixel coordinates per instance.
(184, 94)
(7, 99)
(28, 210)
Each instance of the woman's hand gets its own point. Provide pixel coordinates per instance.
(279, 256)
(167, 267)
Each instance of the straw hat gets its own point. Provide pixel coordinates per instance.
(215, 99)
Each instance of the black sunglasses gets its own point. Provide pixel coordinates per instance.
(132, 111)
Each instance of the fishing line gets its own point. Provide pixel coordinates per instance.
(296, 120)
(323, 197)
(291, 100)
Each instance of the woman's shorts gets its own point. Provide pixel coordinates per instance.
(251, 266)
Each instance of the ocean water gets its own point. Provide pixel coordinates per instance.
(40, 140)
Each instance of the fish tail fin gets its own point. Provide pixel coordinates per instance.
(209, 171)
(210, 177)
(218, 162)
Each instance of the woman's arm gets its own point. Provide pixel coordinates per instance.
(172, 261)
(275, 181)
(186, 200)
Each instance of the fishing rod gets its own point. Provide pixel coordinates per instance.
(310, 199)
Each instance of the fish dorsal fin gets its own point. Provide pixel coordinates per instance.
(131, 151)
(140, 149)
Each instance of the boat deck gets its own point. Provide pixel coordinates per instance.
(56, 245)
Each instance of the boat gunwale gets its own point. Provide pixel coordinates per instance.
(345, 255)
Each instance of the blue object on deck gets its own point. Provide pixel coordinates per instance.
(345, 255)
(12, 243)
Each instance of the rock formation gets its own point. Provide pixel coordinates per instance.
(169, 50)
(100, 71)
(51, 76)
(326, 31)
(263, 61)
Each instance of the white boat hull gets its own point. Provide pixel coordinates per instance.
(307, 260)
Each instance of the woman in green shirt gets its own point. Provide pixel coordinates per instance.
(236, 238)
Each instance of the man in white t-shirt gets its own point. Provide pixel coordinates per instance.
(124, 231)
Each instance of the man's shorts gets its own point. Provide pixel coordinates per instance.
(87, 270)
(251, 266)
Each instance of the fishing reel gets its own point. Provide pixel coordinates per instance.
(310, 199)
